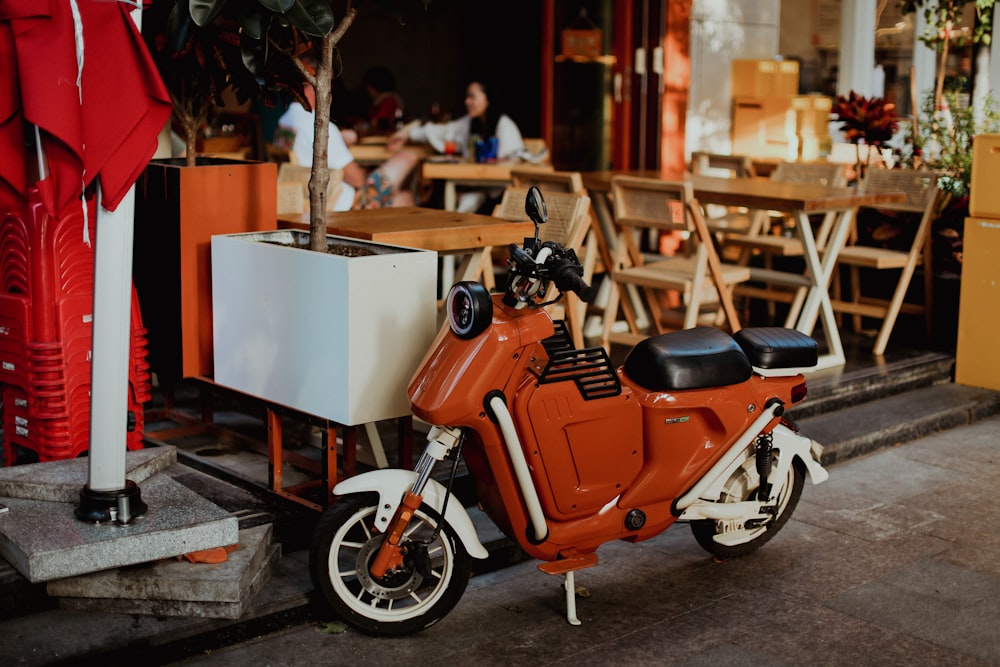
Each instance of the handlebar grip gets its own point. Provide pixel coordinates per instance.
(568, 277)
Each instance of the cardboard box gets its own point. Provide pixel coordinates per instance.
(976, 362)
(984, 196)
(765, 127)
(812, 114)
(765, 78)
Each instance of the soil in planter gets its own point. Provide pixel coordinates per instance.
(342, 249)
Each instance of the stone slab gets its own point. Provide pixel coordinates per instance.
(176, 578)
(44, 540)
(234, 609)
(62, 481)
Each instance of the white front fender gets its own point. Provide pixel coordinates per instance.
(390, 485)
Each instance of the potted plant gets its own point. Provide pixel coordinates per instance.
(868, 121)
(331, 327)
(943, 142)
(181, 203)
(203, 48)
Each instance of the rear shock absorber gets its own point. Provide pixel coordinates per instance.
(765, 445)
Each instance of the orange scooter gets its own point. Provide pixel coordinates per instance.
(567, 452)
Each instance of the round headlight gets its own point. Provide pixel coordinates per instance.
(470, 309)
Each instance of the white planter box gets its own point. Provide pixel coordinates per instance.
(332, 336)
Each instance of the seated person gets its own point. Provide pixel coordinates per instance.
(385, 186)
(385, 108)
(482, 120)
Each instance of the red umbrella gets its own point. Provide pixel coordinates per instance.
(77, 71)
(98, 124)
(13, 168)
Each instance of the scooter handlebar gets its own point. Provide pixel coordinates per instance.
(568, 277)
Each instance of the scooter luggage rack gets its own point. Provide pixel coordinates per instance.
(590, 368)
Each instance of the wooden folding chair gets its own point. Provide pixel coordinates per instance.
(922, 202)
(642, 204)
(547, 180)
(568, 224)
(769, 246)
(724, 220)
(289, 172)
(718, 164)
(596, 254)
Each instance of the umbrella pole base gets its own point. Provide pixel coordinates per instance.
(120, 506)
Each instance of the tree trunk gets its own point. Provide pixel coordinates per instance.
(319, 176)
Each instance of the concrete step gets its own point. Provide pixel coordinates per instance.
(834, 389)
(862, 428)
(177, 587)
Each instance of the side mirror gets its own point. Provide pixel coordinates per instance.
(534, 206)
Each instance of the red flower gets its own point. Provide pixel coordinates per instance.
(866, 120)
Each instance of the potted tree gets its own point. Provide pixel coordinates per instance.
(182, 202)
(314, 323)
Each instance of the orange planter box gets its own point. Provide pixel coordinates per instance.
(178, 210)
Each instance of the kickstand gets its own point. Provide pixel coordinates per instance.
(570, 586)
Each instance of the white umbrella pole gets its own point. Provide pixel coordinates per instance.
(109, 496)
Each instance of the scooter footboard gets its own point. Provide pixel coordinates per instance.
(391, 484)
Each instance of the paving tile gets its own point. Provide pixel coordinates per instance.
(934, 600)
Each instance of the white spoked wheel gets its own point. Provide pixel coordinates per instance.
(734, 538)
(428, 585)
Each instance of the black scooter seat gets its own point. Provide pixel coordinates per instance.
(777, 347)
(697, 358)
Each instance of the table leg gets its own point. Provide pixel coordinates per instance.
(450, 196)
(817, 302)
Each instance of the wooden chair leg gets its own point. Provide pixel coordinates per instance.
(928, 265)
(892, 310)
(856, 294)
(610, 315)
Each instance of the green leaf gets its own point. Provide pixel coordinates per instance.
(332, 627)
(178, 28)
(203, 11)
(276, 6)
(313, 17)
(254, 54)
(251, 20)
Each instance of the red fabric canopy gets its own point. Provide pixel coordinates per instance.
(103, 126)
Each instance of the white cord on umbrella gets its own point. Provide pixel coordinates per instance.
(78, 38)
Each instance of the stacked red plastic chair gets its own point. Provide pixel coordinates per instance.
(46, 324)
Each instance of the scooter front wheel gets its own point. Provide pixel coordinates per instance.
(428, 585)
(742, 539)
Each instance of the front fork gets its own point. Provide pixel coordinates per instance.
(440, 442)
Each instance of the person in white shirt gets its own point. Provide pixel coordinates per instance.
(382, 187)
(482, 121)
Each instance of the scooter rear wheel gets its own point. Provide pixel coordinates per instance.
(741, 486)
(423, 591)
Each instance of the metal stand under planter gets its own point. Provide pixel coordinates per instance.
(334, 335)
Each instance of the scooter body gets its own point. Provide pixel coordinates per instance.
(567, 451)
(597, 455)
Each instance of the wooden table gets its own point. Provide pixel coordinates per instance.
(447, 232)
(456, 172)
(374, 153)
(799, 201)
